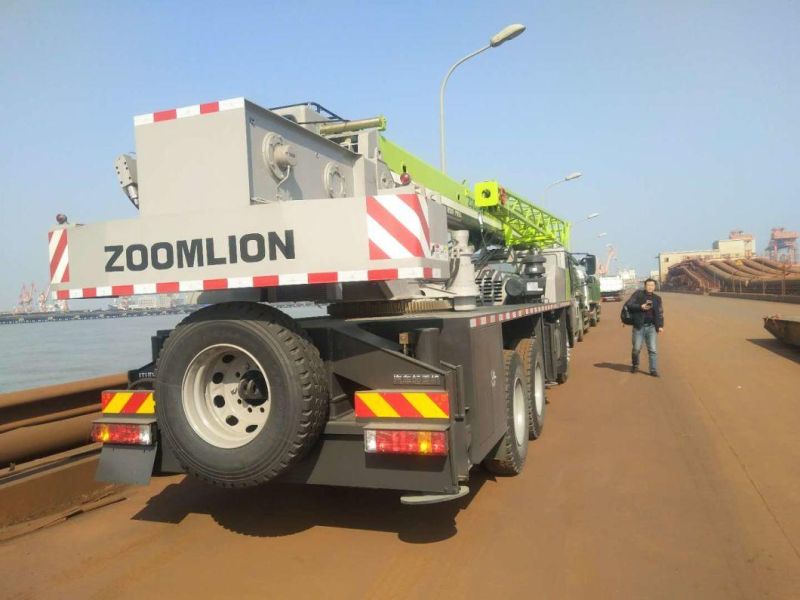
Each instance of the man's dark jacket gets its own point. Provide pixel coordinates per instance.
(634, 305)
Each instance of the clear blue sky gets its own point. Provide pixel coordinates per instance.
(684, 116)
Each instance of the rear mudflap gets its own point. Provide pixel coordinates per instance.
(126, 464)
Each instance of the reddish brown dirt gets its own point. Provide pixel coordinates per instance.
(686, 486)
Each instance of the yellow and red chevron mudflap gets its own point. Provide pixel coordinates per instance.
(127, 402)
(417, 404)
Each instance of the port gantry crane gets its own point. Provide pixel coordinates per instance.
(604, 269)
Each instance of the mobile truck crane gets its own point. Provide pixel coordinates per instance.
(586, 289)
(449, 307)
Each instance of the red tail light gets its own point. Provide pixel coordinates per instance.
(123, 433)
(390, 441)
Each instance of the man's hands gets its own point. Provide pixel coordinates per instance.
(660, 330)
(647, 306)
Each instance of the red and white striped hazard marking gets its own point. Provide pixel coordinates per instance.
(510, 315)
(188, 111)
(59, 256)
(397, 226)
(200, 285)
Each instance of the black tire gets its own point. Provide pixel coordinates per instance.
(594, 317)
(530, 351)
(294, 384)
(508, 457)
(569, 329)
(581, 327)
(563, 368)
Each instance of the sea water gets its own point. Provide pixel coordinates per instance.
(37, 354)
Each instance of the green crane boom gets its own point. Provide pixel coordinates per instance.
(523, 223)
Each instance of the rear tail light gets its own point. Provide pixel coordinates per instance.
(390, 441)
(123, 433)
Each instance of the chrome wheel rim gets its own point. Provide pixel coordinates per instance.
(520, 415)
(226, 396)
(538, 390)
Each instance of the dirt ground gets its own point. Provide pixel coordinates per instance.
(687, 486)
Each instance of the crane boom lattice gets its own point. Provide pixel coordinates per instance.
(520, 221)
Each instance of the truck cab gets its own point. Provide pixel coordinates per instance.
(586, 292)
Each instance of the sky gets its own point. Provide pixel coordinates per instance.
(683, 116)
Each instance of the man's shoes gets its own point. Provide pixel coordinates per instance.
(654, 373)
(634, 368)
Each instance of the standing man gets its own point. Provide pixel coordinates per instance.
(647, 311)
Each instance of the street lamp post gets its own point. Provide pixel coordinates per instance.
(508, 33)
(589, 217)
(571, 177)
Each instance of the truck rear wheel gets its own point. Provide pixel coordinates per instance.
(509, 455)
(240, 393)
(581, 328)
(594, 316)
(530, 351)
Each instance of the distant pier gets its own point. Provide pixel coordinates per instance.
(84, 315)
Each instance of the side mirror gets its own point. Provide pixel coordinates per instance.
(589, 262)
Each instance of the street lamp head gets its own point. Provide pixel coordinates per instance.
(572, 176)
(507, 33)
(604, 234)
(592, 216)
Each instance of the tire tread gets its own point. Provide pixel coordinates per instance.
(506, 460)
(308, 369)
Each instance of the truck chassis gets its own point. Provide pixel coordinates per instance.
(460, 353)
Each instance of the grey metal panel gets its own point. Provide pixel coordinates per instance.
(341, 460)
(358, 356)
(313, 154)
(329, 235)
(218, 161)
(489, 378)
(126, 464)
(555, 272)
(460, 429)
(508, 312)
(479, 352)
(198, 162)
